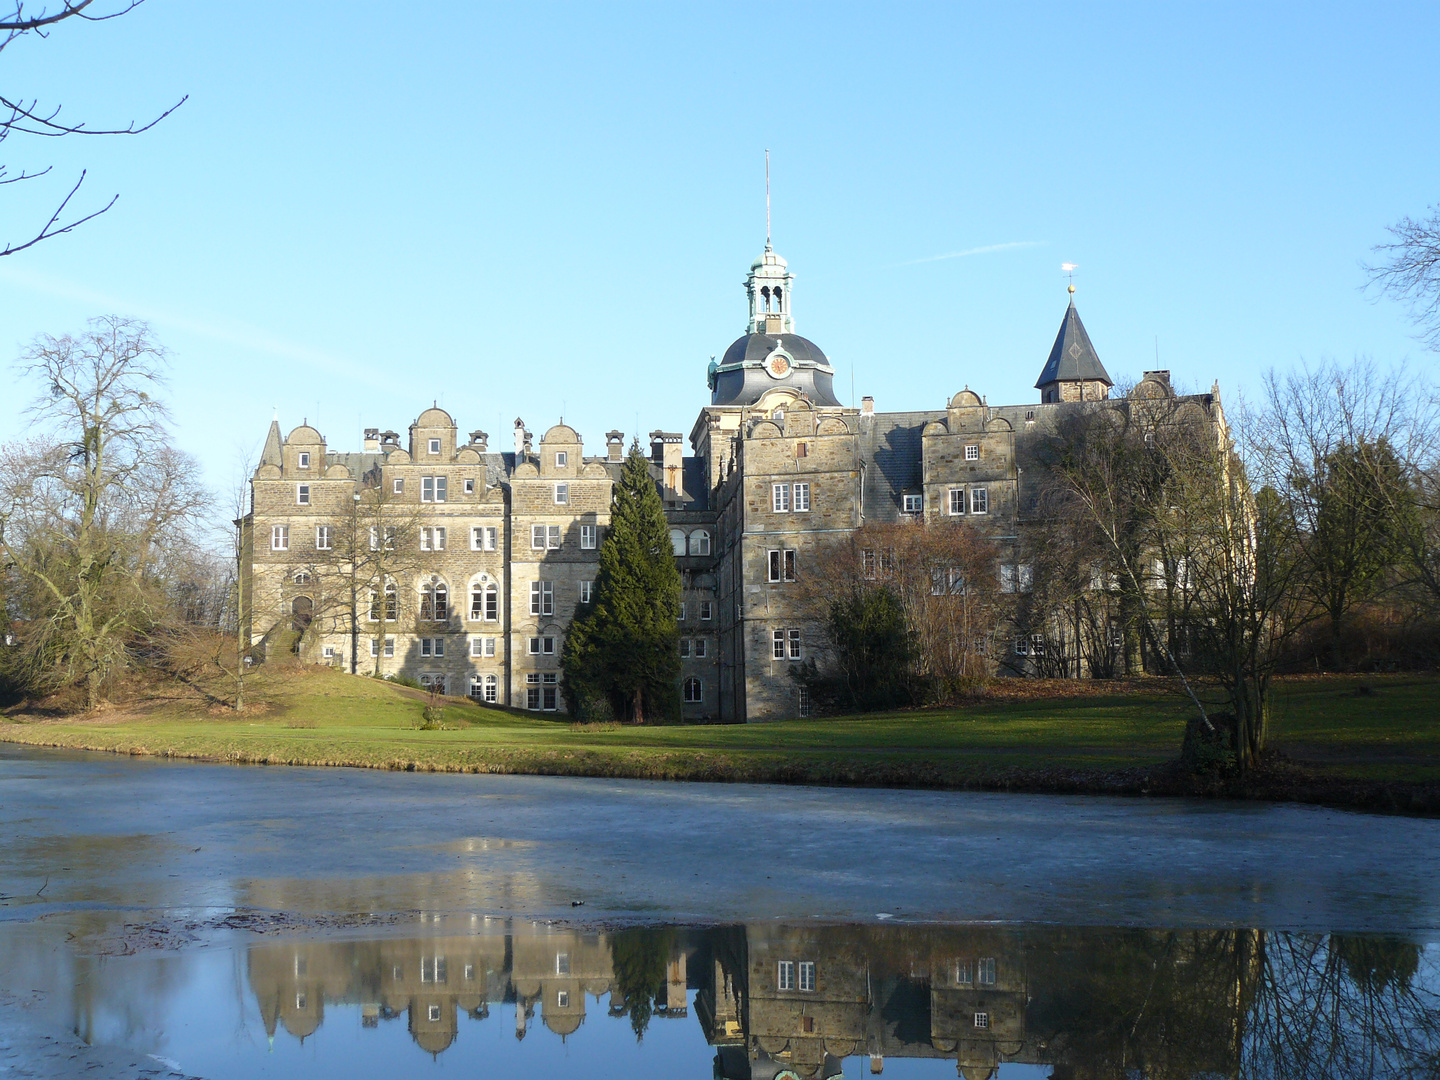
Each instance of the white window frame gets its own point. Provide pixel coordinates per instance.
(1037, 644)
(322, 537)
(695, 696)
(781, 564)
(985, 971)
(699, 542)
(432, 446)
(552, 537)
(806, 982)
(588, 534)
(302, 494)
(796, 649)
(982, 1020)
(972, 452)
(537, 537)
(562, 494)
(684, 648)
(979, 500)
(707, 609)
(699, 649)
(785, 975)
(542, 598)
(777, 645)
(303, 459)
(957, 501)
(562, 459)
(587, 591)
(800, 498)
(397, 485)
(780, 498)
(1022, 645)
(279, 537)
(469, 485)
(914, 504)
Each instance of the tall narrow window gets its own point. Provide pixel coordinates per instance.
(957, 501)
(562, 458)
(434, 601)
(794, 639)
(807, 975)
(587, 591)
(780, 498)
(979, 500)
(553, 537)
(694, 691)
(322, 537)
(279, 537)
(785, 975)
(427, 489)
(777, 645)
(802, 497)
(398, 485)
(587, 537)
(562, 494)
(542, 598)
(803, 704)
(537, 537)
(304, 459)
(302, 494)
(790, 565)
(677, 541)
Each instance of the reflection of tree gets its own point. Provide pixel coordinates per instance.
(638, 957)
(1341, 1007)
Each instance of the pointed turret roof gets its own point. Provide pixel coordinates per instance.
(271, 454)
(1072, 358)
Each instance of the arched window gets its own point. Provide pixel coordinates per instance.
(677, 541)
(765, 296)
(484, 602)
(392, 602)
(302, 577)
(778, 297)
(694, 691)
(700, 542)
(434, 601)
(483, 688)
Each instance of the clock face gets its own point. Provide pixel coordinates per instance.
(777, 365)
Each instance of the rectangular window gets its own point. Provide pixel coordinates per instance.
(439, 646)
(684, 648)
(322, 537)
(434, 446)
(541, 646)
(432, 489)
(279, 537)
(304, 459)
(867, 563)
(785, 975)
(477, 646)
(794, 644)
(782, 564)
(972, 453)
(424, 646)
(432, 539)
(1117, 636)
(469, 486)
(587, 537)
(964, 974)
(440, 489)
(1007, 577)
(706, 607)
(914, 504)
(802, 498)
(985, 971)
(1037, 644)
(1025, 577)
(802, 450)
(979, 500)
(553, 537)
(562, 458)
(694, 691)
(680, 612)
(937, 581)
(398, 486)
(537, 537)
(481, 536)
(957, 501)
(780, 498)
(562, 494)
(807, 975)
(302, 494)
(552, 698)
(777, 645)
(389, 646)
(1022, 645)
(374, 647)
(803, 696)
(542, 598)
(699, 648)
(587, 591)
(982, 1020)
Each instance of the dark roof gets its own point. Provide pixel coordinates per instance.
(1073, 358)
(753, 348)
(890, 452)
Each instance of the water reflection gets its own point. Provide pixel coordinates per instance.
(780, 1001)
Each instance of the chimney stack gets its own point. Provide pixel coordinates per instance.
(667, 450)
(867, 406)
(615, 445)
(372, 439)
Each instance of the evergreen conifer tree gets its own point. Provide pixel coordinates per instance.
(624, 645)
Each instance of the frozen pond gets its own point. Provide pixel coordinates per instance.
(311, 922)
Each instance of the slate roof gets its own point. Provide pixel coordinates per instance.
(1072, 357)
(890, 451)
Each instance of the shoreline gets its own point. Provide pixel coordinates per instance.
(1279, 781)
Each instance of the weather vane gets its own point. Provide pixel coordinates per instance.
(1068, 269)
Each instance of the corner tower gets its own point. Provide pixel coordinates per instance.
(770, 353)
(1073, 372)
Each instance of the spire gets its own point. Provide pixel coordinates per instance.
(271, 454)
(1072, 359)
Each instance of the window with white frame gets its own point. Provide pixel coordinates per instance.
(964, 973)
(957, 501)
(1022, 645)
(279, 537)
(328, 652)
(706, 610)
(432, 538)
(979, 500)
(562, 494)
(434, 601)
(562, 999)
(302, 577)
(587, 591)
(780, 498)
(1007, 577)
(982, 1020)
(801, 497)
(434, 446)
(432, 489)
(677, 542)
(398, 485)
(972, 453)
(587, 537)
(1025, 577)
(389, 649)
(782, 564)
(684, 648)
(542, 598)
(552, 537)
(484, 602)
(1037, 644)
(302, 494)
(914, 504)
(304, 459)
(482, 537)
(985, 971)
(432, 646)
(322, 537)
(542, 691)
(694, 691)
(699, 542)
(783, 642)
(699, 648)
(389, 538)
(562, 458)
(867, 563)
(541, 646)
(469, 485)
(1117, 636)
(785, 975)
(680, 612)
(484, 688)
(807, 975)
(537, 537)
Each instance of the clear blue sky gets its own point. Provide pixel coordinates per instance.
(524, 209)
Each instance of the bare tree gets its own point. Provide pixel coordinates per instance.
(1410, 271)
(89, 509)
(26, 116)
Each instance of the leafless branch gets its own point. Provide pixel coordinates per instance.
(52, 228)
(1410, 272)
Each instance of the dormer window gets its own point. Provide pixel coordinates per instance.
(561, 459)
(434, 446)
(304, 459)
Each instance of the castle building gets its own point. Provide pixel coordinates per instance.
(483, 556)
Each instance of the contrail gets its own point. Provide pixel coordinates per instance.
(986, 250)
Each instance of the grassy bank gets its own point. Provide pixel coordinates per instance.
(1372, 742)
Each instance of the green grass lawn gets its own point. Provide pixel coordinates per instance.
(1376, 728)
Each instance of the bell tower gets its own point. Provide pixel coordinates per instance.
(769, 286)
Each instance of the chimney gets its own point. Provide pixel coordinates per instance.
(519, 439)
(389, 440)
(668, 451)
(1162, 377)
(615, 445)
(877, 1064)
(372, 439)
(479, 440)
(867, 406)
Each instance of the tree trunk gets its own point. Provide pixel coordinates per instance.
(640, 705)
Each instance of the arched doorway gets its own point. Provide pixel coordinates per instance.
(302, 611)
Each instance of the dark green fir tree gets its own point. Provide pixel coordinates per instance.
(623, 648)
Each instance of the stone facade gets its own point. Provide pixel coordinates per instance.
(778, 468)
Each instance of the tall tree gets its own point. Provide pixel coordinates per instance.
(89, 508)
(625, 645)
(1409, 271)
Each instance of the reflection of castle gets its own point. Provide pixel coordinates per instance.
(793, 1002)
